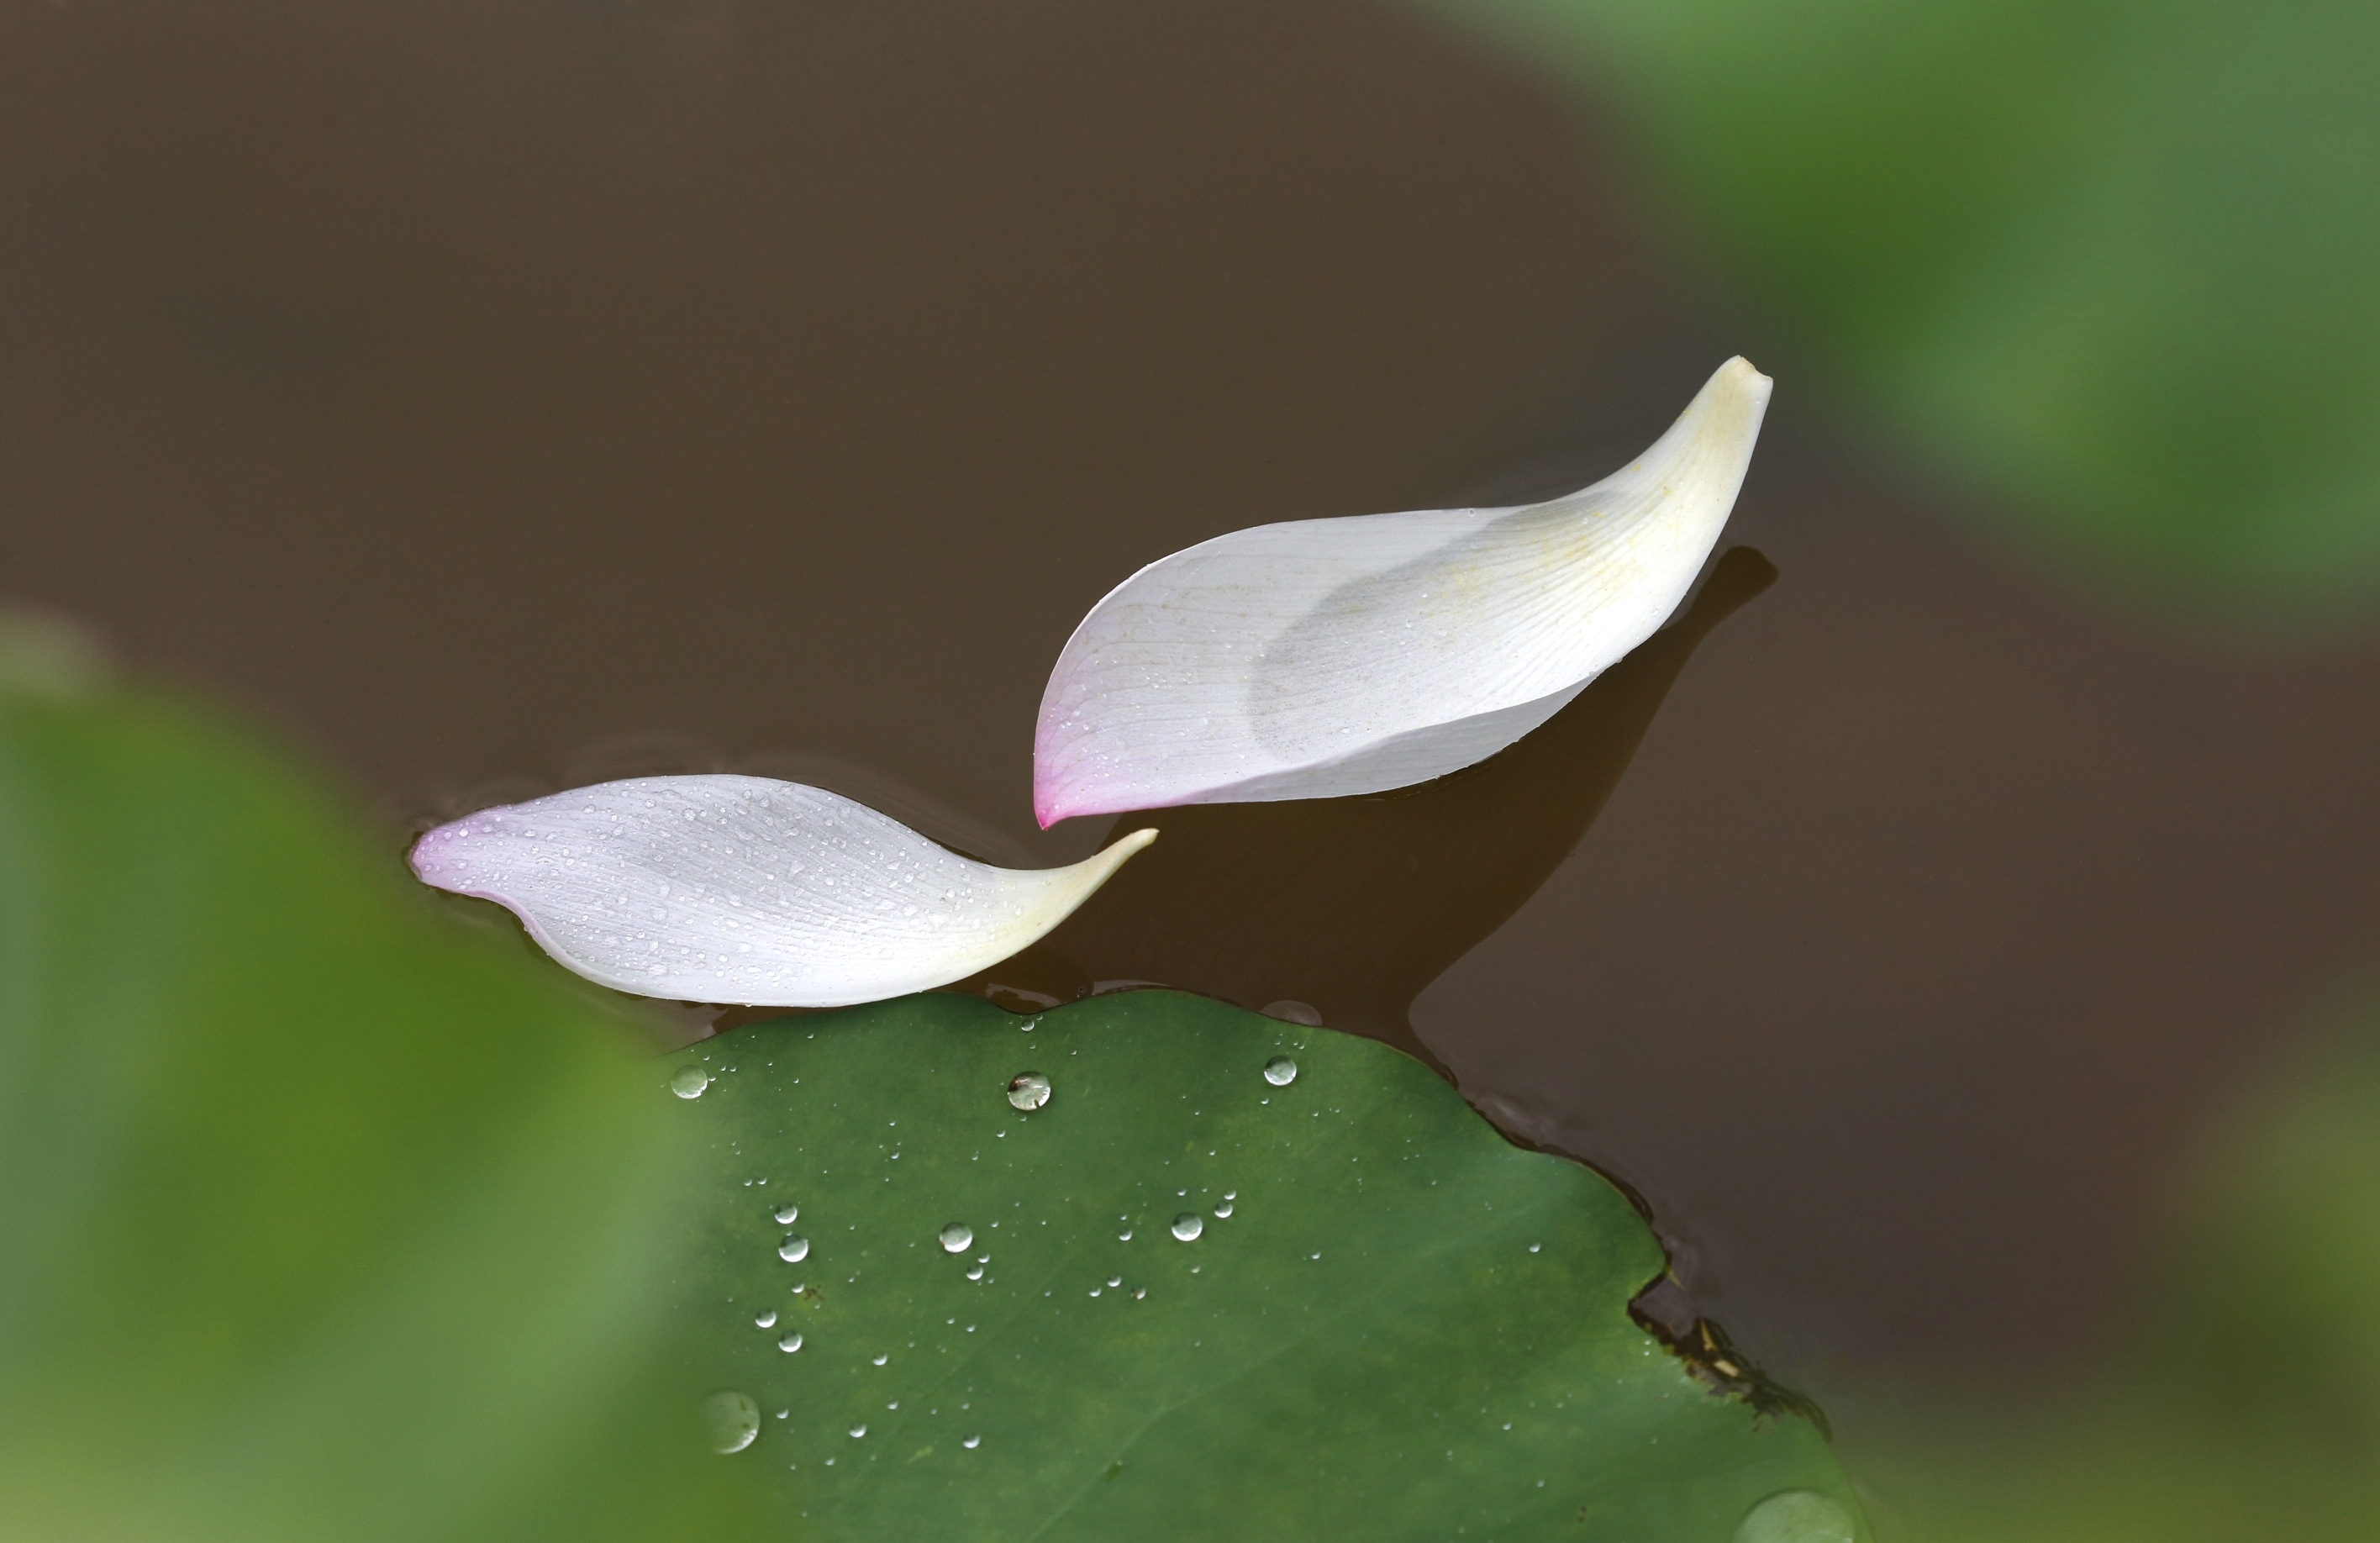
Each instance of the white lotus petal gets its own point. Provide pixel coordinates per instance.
(749, 889)
(1326, 657)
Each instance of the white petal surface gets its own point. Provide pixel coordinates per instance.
(1321, 658)
(747, 889)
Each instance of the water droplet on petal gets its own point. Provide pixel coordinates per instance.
(732, 1419)
(687, 1082)
(1797, 1516)
(1281, 1071)
(794, 1249)
(1030, 1091)
(958, 1238)
(1188, 1225)
(789, 1343)
(786, 1215)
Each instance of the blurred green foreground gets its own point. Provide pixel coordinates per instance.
(320, 1215)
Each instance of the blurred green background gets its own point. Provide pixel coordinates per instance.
(2114, 263)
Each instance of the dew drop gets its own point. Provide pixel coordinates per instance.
(1290, 1011)
(786, 1215)
(1114, 1281)
(1797, 1516)
(789, 1343)
(972, 1442)
(1281, 1071)
(857, 1431)
(958, 1238)
(766, 1321)
(1222, 1210)
(794, 1249)
(687, 1082)
(732, 1419)
(1030, 1091)
(881, 1359)
(976, 1274)
(1187, 1225)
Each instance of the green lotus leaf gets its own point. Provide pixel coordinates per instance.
(1199, 1291)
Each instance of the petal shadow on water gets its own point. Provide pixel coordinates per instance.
(1353, 905)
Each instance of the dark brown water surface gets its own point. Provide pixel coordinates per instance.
(505, 396)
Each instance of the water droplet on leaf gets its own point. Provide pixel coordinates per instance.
(1030, 1090)
(1281, 1071)
(1187, 1225)
(687, 1082)
(794, 1249)
(958, 1238)
(1797, 1516)
(732, 1419)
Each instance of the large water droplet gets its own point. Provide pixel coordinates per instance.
(766, 1321)
(1187, 1225)
(794, 1249)
(1222, 1210)
(958, 1238)
(731, 1420)
(787, 1215)
(1797, 1516)
(789, 1343)
(1281, 1071)
(1030, 1091)
(687, 1082)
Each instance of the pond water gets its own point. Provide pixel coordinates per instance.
(510, 397)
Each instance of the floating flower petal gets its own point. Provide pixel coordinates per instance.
(747, 889)
(1326, 657)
